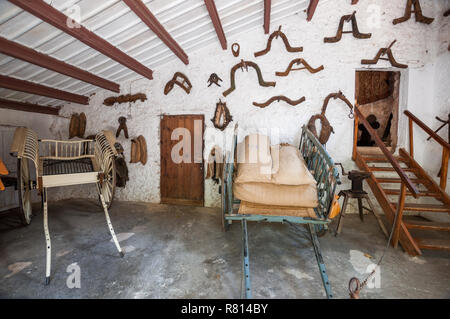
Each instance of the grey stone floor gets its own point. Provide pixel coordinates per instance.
(181, 252)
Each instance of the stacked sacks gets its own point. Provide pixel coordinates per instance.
(273, 180)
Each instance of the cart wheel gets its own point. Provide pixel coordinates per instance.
(24, 190)
(108, 187)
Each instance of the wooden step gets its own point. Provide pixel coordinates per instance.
(421, 194)
(434, 244)
(412, 207)
(387, 180)
(389, 169)
(382, 159)
(426, 225)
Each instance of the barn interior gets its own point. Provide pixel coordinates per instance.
(214, 149)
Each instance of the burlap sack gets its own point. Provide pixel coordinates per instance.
(279, 195)
(289, 167)
(254, 160)
(247, 208)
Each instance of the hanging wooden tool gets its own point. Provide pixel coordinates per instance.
(77, 126)
(214, 78)
(184, 83)
(222, 116)
(122, 127)
(327, 129)
(385, 51)
(110, 101)
(138, 150)
(417, 11)
(298, 62)
(275, 35)
(245, 64)
(278, 99)
(235, 49)
(355, 30)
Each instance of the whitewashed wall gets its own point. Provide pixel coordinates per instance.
(424, 88)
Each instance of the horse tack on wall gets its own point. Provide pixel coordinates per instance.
(417, 12)
(77, 126)
(122, 127)
(214, 79)
(110, 101)
(222, 116)
(355, 30)
(385, 51)
(184, 83)
(235, 49)
(278, 99)
(245, 64)
(275, 35)
(327, 129)
(298, 62)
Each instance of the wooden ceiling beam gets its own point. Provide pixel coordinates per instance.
(311, 9)
(267, 9)
(16, 50)
(38, 89)
(144, 13)
(49, 14)
(212, 10)
(27, 107)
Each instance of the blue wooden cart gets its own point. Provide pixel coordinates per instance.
(325, 173)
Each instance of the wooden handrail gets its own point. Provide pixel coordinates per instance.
(405, 180)
(428, 130)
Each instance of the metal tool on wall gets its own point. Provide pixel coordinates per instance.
(110, 101)
(214, 78)
(355, 30)
(184, 83)
(327, 129)
(245, 64)
(390, 57)
(298, 62)
(278, 99)
(222, 116)
(235, 49)
(275, 35)
(122, 127)
(417, 12)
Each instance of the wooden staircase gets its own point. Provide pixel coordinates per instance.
(418, 192)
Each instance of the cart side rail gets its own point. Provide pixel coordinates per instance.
(65, 150)
(25, 145)
(322, 167)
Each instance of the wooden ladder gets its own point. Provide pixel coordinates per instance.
(418, 192)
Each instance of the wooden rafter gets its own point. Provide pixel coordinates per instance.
(267, 9)
(38, 89)
(211, 6)
(311, 9)
(144, 13)
(24, 53)
(49, 14)
(27, 107)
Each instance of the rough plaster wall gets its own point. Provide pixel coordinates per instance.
(417, 45)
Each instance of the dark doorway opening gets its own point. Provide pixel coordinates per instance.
(377, 95)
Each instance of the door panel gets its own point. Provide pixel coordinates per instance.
(182, 180)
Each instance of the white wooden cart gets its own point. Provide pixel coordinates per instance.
(65, 163)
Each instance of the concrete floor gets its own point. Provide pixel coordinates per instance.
(181, 252)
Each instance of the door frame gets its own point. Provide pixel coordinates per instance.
(174, 201)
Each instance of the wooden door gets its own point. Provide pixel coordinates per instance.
(182, 180)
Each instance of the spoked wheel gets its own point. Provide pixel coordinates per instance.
(108, 186)
(24, 190)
